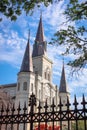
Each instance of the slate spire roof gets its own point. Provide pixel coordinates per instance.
(40, 45)
(40, 32)
(27, 59)
(63, 85)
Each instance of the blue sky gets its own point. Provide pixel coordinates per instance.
(13, 39)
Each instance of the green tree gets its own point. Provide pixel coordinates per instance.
(74, 38)
(13, 8)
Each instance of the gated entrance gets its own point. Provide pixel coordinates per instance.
(45, 117)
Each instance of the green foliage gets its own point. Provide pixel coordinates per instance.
(13, 8)
(74, 38)
(80, 125)
(76, 10)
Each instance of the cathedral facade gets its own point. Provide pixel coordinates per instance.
(35, 75)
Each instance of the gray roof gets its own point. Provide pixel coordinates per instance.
(39, 48)
(63, 86)
(8, 85)
(40, 32)
(27, 60)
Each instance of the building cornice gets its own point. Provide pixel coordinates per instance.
(27, 72)
(45, 57)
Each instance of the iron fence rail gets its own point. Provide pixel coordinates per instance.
(12, 118)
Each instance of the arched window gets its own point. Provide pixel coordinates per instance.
(39, 94)
(25, 86)
(31, 87)
(48, 73)
(49, 76)
(18, 86)
(45, 75)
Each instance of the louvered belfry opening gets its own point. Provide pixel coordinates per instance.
(45, 117)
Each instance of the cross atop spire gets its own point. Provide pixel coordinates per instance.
(27, 59)
(40, 31)
(63, 85)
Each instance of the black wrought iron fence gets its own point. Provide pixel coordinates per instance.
(43, 118)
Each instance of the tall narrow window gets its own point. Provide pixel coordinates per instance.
(45, 75)
(25, 86)
(48, 73)
(48, 76)
(18, 86)
(31, 87)
(39, 94)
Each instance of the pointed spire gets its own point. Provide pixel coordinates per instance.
(27, 59)
(40, 32)
(63, 86)
(40, 46)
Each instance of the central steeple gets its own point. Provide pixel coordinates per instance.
(40, 32)
(40, 45)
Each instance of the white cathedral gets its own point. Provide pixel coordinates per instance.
(35, 75)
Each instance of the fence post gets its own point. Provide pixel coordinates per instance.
(84, 111)
(53, 112)
(32, 103)
(68, 113)
(39, 112)
(46, 108)
(60, 112)
(76, 111)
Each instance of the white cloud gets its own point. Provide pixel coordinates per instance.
(13, 39)
(11, 48)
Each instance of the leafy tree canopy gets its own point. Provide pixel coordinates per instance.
(74, 38)
(13, 8)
